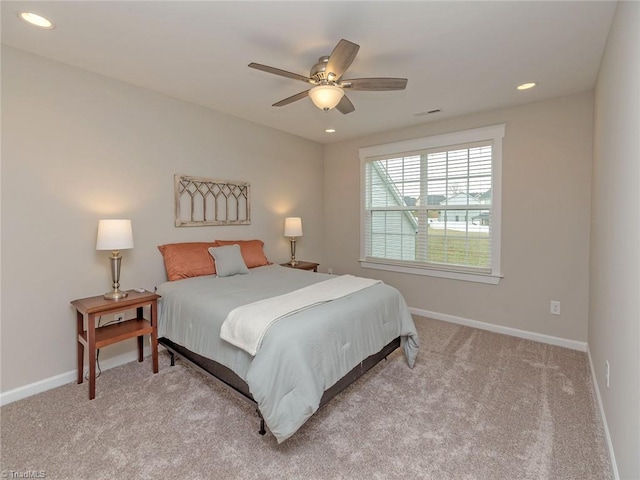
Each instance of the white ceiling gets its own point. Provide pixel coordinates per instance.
(460, 57)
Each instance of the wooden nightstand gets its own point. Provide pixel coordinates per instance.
(87, 309)
(302, 266)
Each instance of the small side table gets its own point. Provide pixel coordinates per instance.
(300, 265)
(87, 309)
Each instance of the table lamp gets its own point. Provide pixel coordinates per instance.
(115, 235)
(293, 229)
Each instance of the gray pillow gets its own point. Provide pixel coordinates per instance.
(229, 260)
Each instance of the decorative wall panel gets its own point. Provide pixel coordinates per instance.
(204, 201)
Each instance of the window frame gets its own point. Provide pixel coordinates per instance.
(495, 133)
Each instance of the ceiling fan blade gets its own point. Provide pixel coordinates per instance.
(375, 84)
(345, 106)
(342, 56)
(282, 73)
(291, 99)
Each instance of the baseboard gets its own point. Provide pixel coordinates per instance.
(64, 378)
(514, 332)
(612, 456)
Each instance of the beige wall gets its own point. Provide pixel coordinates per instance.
(614, 316)
(545, 223)
(77, 147)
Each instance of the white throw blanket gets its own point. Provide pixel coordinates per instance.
(245, 326)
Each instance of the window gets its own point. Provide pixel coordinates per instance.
(431, 206)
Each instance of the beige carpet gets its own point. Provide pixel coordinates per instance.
(478, 405)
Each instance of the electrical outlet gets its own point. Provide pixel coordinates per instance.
(555, 307)
(606, 372)
(119, 317)
(330, 271)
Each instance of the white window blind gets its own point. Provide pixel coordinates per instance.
(433, 207)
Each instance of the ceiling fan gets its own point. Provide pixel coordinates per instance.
(326, 77)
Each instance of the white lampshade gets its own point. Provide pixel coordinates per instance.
(114, 235)
(292, 227)
(326, 97)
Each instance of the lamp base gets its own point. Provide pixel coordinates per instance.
(115, 295)
(293, 261)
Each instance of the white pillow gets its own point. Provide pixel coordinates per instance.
(229, 260)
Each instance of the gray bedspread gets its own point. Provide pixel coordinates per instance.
(301, 355)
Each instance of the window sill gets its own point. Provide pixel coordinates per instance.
(430, 272)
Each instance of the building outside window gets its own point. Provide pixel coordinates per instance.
(431, 206)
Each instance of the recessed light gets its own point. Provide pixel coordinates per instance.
(36, 20)
(527, 86)
(330, 130)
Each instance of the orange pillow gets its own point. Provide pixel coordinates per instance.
(251, 250)
(190, 259)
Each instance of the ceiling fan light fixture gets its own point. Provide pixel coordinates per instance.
(326, 80)
(326, 97)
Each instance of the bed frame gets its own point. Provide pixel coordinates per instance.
(236, 385)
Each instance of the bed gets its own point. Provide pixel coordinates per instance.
(304, 358)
